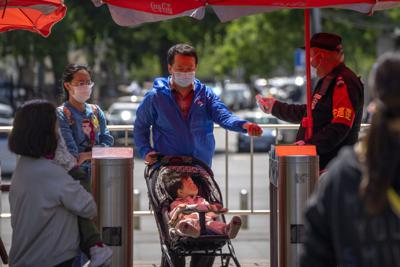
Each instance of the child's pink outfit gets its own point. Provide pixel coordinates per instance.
(189, 225)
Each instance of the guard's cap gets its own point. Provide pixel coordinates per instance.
(327, 41)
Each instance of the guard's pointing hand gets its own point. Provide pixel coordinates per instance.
(265, 103)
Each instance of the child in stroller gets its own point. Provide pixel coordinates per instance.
(186, 205)
(175, 247)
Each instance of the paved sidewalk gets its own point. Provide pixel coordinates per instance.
(244, 263)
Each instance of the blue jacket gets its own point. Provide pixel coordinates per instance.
(71, 128)
(172, 133)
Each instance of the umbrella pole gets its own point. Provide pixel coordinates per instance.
(307, 122)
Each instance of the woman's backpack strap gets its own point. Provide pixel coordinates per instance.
(67, 113)
(95, 109)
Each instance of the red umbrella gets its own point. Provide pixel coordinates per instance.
(32, 15)
(132, 13)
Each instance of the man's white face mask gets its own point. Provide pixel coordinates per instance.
(183, 79)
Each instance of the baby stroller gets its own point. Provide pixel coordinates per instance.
(173, 245)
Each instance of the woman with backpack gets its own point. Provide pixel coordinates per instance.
(83, 126)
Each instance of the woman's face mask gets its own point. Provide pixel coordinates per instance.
(82, 92)
(183, 79)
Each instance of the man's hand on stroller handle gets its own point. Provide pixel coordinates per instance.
(151, 157)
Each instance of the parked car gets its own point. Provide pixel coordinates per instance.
(6, 112)
(237, 96)
(264, 142)
(130, 98)
(288, 89)
(216, 87)
(7, 159)
(121, 113)
(132, 88)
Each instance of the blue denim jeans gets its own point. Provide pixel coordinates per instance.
(80, 260)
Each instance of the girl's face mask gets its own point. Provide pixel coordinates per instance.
(82, 92)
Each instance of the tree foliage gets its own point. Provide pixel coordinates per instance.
(259, 45)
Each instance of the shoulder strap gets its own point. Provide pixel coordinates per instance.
(95, 109)
(67, 113)
(326, 83)
(95, 116)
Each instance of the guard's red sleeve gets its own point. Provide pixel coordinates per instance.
(342, 109)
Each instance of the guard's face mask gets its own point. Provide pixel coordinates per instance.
(316, 60)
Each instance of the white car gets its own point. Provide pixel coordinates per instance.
(121, 113)
(130, 98)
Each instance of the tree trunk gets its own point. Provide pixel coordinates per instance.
(59, 59)
(162, 55)
(40, 79)
(26, 79)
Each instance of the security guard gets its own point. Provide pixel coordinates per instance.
(337, 102)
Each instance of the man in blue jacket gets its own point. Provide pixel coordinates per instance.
(182, 112)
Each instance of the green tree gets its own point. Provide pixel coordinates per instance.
(261, 45)
(264, 45)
